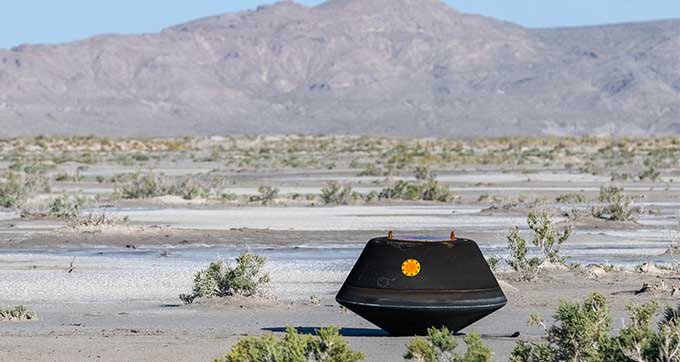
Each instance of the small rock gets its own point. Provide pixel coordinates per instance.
(548, 266)
(647, 268)
(596, 271)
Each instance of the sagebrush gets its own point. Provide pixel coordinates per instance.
(246, 279)
(548, 238)
(618, 206)
(334, 193)
(581, 332)
(326, 346)
(18, 313)
(440, 346)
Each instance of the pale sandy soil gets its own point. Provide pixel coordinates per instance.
(160, 330)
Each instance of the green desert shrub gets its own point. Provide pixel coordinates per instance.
(372, 196)
(518, 251)
(19, 313)
(148, 185)
(440, 345)
(228, 196)
(581, 332)
(140, 157)
(371, 170)
(619, 207)
(67, 206)
(434, 191)
(246, 279)
(68, 177)
(423, 173)
(333, 193)
(402, 190)
(190, 188)
(12, 192)
(15, 188)
(548, 237)
(650, 172)
(620, 176)
(327, 346)
(30, 167)
(117, 178)
(430, 190)
(571, 198)
(266, 195)
(142, 186)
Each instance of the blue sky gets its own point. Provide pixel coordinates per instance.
(50, 21)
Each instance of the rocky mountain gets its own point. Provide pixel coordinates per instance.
(393, 67)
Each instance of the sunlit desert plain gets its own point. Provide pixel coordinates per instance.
(100, 236)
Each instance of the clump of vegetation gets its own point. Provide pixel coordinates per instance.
(327, 346)
(548, 237)
(67, 206)
(440, 345)
(144, 186)
(68, 177)
(650, 172)
(19, 313)
(619, 207)
(12, 192)
(616, 176)
(571, 198)
(31, 167)
(423, 173)
(371, 170)
(266, 196)
(518, 251)
(434, 191)
(581, 332)
(333, 193)
(246, 278)
(117, 178)
(148, 185)
(426, 188)
(190, 188)
(430, 190)
(15, 188)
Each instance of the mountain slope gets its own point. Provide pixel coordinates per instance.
(399, 67)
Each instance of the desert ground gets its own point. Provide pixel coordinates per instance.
(99, 236)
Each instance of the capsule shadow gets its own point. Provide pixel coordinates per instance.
(345, 332)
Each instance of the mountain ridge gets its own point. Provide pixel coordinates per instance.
(398, 67)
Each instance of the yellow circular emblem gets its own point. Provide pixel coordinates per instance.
(410, 267)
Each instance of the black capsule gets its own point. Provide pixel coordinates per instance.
(408, 285)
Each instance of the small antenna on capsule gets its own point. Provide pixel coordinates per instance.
(453, 235)
(389, 235)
